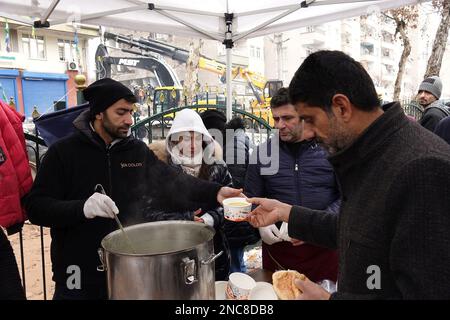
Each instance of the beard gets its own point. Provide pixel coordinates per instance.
(338, 139)
(116, 132)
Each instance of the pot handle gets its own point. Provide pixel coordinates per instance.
(189, 271)
(212, 258)
(101, 267)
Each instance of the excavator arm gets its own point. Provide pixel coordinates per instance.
(163, 72)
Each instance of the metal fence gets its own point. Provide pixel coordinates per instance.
(158, 125)
(412, 108)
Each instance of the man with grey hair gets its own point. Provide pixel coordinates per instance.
(428, 97)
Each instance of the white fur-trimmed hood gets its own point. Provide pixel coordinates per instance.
(160, 150)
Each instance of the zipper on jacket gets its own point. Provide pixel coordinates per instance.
(108, 159)
(297, 180)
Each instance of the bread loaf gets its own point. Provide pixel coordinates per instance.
(284, 285)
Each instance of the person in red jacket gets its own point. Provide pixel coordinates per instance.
(15, 182)
(15, 173)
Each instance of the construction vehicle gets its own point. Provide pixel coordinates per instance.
(261, 88)
(167, 89)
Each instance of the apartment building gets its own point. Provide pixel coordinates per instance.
(37, 67)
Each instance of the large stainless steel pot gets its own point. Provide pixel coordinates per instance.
(173, 260)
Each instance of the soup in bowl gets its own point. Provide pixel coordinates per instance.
(236, 209)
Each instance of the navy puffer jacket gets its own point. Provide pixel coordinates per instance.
(309, 167)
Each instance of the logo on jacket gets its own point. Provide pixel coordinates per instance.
(131, 164)
(2, 156)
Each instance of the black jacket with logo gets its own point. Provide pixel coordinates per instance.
(130, 174)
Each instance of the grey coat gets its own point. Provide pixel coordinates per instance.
(395, 213)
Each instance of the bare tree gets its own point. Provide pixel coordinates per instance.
(440, 40)
(190, 86)
(404, 18)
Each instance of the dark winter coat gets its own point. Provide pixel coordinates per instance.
(392, 232)
(237, 155)
(443, 129)
(10, 283)
(130, 174)
(434, 113)
(304, 177)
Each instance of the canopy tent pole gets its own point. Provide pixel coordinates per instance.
(228, 42)
(210, 35)
(229, 90)
(86, 17)
(266, 23)
(43, 23)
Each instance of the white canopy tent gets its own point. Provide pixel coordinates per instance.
(227, 21)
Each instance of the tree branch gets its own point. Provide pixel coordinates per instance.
(387, 16)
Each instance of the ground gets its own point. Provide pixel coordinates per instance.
(32, 261)
(33, 258)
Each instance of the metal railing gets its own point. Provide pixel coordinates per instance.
(412, 108)
(157, 126)
(35, 145)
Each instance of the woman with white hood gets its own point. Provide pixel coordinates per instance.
(190, 148)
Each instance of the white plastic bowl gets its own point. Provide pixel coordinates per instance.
(220, 290)
(263, 291)
(236, 213)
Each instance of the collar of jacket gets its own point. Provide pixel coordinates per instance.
(82, 123)
(306, 144)
(371, 139)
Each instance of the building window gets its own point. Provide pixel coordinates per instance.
(258, 52)
(252, 51)
(33, 47)
(67, 50)
(367, 49)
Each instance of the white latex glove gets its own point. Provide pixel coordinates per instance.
(284, 232)
(100, 205)
(270, 234)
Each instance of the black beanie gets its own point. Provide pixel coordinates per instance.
(213, 119)
(104, 93)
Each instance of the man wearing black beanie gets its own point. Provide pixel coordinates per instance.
(104, 93)
(66, 195)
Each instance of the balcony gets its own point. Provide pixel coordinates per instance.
(315, 38)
